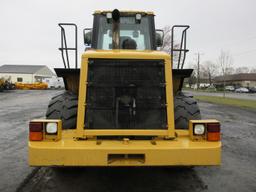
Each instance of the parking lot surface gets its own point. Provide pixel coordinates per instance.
(237, 172)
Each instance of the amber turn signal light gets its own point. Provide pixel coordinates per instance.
(35, 136)
(213, 132)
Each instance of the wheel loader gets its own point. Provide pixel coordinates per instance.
(124, 106)
(6, 84)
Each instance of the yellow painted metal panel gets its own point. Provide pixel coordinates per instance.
(169, 99)
(82, 97)
(69, 152)
(126, 54)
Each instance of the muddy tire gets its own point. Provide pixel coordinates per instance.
(64, 107)
(185, 109)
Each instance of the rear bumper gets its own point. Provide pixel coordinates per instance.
(179, 152)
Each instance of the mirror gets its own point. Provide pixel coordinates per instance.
(87, 36)
(159, 37)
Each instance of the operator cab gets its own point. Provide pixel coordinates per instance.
(123, 30)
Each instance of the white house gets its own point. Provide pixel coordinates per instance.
(25, 73)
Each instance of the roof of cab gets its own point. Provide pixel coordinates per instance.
(128, 12)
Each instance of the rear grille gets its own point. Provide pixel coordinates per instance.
(126, 94)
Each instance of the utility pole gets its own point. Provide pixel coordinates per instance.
(198, 70)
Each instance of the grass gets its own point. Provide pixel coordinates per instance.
(228, 101)
(203, 90)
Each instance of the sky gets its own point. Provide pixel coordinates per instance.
(29, 32)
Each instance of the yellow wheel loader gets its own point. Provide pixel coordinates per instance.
(124, 106)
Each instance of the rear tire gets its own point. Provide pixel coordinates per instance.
(185, 109)
(64, 107)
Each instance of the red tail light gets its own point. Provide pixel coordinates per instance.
(213, 127)
(35, 131)
(35, 126)
(213, 132)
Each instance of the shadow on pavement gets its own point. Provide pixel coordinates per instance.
(116, 179)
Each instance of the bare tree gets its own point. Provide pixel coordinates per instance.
(167, 44)
(225, 61)
(209, 69)
(230, 71)
(242, 70)
(253, 70)
(167, 40)
(193, 77)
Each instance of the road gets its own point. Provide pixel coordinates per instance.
(237, 172)
(247, 96)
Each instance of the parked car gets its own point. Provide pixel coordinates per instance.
(230, 88)
(242, 90)
(252, 90)
(211, 88)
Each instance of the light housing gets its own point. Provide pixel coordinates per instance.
(45, 130)
(109, 15)
(51, 128)
(138, 18)
(204, 130)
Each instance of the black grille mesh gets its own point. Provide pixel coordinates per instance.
(125, 94)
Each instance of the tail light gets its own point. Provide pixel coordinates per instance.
(45, 130)
(35, 131)
(213, 131)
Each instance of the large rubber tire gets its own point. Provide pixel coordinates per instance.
(64, 107)
(185, 109)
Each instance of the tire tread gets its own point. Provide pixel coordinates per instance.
(64, 107)
(185, 109)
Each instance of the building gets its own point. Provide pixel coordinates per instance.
(25, 73)
(238, 80)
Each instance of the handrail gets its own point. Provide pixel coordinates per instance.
(183, 45)
(64, 46)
